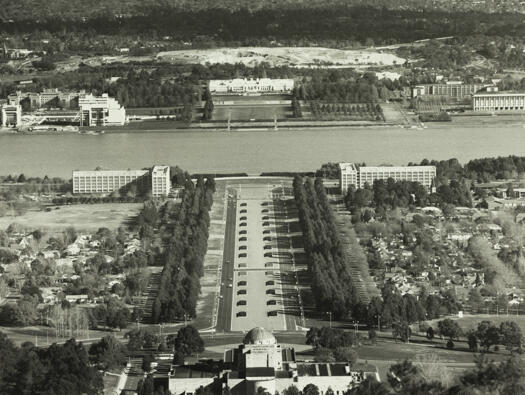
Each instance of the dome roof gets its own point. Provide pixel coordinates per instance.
(259, 336)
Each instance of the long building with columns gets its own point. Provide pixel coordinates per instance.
(494, 101)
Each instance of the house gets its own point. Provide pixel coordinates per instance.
(77, 298)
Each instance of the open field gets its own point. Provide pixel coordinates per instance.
(283, 56)
(246, 112)
(86, 217)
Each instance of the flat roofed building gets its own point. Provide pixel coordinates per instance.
(107, 181)
(452, 89)
(160, 181)
(251, 85)
(351, 175)
(100, 110)
(262, 363)
(47, 98)
(10, 114)
(499, 101)
(156, 180)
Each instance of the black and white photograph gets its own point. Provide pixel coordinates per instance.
(262, 197)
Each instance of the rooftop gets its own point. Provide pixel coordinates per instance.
(259, 336)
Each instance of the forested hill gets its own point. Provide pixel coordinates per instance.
(16, 10)
(293, 26)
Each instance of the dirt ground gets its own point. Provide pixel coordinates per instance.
(86, 217)
(283, 56)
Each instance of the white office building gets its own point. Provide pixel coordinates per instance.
(160, 181)
(352, 175)
(100, 111)
(156, 180)
(494, 101)
(246, 86)
(11, 114)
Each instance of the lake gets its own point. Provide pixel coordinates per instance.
(254, 151)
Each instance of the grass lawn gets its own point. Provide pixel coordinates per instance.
(87, 217)
(110, 384)
(246, 113)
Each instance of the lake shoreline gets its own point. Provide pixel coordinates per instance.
(254, 152)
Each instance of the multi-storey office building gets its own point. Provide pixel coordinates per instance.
(239, 86)
(100, 110)
(453, 89)
(359, 176)
(156, 180)
(160, 180)
(47, 98)
(94, 110)
(10, 114)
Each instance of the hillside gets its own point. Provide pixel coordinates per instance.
(79, 9)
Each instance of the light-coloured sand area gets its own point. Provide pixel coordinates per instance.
(283, 56)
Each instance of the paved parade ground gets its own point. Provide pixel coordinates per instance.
(259, 285)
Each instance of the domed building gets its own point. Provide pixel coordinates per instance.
(259, 362)
(259, 336)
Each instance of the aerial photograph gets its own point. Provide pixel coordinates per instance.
(262, 197)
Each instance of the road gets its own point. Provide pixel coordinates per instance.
(225, 303)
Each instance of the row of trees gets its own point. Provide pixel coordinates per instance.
(185, 233)
(367, 111)
(332, 284)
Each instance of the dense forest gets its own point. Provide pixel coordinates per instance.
(332, 284)
(185, 234)
(77, 9)
(218, 26)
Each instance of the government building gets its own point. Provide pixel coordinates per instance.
(260, 363)
(247, 86)
(82, 107)
(101, 111)
(155, 181)
(10, 115)
(494, 101)
(452, 89)
(359, 176)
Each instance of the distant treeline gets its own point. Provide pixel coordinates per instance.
(332, 285)
(216, 26)
(184, 230)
